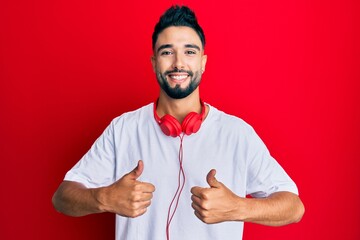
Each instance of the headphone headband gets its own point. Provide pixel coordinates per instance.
(171, 126)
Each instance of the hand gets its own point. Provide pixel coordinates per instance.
(215, 204)
(128, 197)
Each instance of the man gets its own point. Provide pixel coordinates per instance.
(201, 161)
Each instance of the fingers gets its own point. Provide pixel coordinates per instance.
(197, 203)
(145, 187)
(139, 200)
(202, 209)
(140, 196)
(211, 180)
(142, 191)
(137, 171)
(213, 183)
(197, 191)
(204, 199)
(137, 209)
(130, 179)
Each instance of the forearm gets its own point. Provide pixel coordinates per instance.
(74, 199)
(276, 210)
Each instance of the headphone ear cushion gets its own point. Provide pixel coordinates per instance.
(191, 123)
(170, 126)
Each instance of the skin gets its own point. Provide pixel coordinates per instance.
(178, 48)
(217, 203)
(126, 197)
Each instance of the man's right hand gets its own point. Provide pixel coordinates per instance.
(127, 197)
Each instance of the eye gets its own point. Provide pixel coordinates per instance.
(165, 53)
(190, 52)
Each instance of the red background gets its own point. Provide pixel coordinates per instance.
(289, 68)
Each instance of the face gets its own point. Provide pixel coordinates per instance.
(178, 61)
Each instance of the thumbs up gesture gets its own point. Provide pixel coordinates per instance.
(128, 197)
(216, 203)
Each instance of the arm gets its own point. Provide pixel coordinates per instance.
(74, 199)
(126, 197)
(280, 208)
(219, 204)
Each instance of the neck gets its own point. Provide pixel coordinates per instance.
(178, 108)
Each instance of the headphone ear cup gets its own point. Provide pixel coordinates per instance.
(191, 123)
(170, 126)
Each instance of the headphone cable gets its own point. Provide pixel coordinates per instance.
(179, 189)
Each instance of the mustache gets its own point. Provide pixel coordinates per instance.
(179, 71)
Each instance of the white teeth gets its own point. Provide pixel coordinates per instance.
(179, 77)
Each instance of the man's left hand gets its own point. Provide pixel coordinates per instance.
(215, 204)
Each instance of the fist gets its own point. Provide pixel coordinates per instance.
(129, 197)
(215, 203)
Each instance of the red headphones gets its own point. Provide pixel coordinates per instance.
(171, 127)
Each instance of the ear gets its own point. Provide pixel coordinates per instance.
(153, 62)
(203, 62)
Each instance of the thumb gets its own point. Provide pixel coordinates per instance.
(211, 180)
(137, 171)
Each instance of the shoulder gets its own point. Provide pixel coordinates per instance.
(228, 122)
(137, 115)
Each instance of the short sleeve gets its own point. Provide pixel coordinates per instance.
(97, 167)
(265, 175)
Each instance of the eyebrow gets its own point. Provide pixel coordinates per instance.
(171, 45)
(192, 46)
(164, 46)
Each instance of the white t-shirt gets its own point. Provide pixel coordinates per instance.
(224, 142)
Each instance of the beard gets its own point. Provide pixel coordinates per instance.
(177, 92)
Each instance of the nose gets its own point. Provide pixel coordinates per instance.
(178, 62)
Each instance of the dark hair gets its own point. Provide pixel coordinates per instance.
(178, 16)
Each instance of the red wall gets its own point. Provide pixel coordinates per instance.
(289, 68)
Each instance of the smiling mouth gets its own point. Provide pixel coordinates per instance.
(178, 77)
